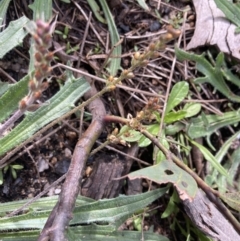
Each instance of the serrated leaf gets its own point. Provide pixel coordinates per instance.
(3, 9)
(58, 105)
(13, 35)
(169, 172)
(41, 10)
(114, 36)
(177, 95)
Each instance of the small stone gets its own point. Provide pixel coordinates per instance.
(57, 191)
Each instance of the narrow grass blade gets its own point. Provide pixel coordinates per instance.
(96, 10)
(209, 157)
(114, 62)
(143, 4)
(3, 9)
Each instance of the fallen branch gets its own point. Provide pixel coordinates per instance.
(62, 213)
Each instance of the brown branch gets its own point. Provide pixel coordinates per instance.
(211, 193)
(62, 214)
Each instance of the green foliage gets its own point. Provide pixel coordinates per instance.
(9, 100)
(13, 35)
(213, 74)
(169, 172)
(114, 63)
(13, 169)
(58, 105)
(3, 9)
(101, 219)
(231, 11)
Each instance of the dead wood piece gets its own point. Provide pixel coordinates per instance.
(212, 28)
(101, 183)
(209, 219)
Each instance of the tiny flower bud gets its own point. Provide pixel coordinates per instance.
(152, 46)
(137, 56)
(125, 72)
(115, 131)
(110, 78)
(130, 75)
(37, 94)
(22, 104)
(32, 85)
(49, 56)
(38, 75)
(38, 57)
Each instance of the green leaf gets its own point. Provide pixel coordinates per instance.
(177, 95)
(144, 141)
(108, 212)
(96, 10)
(41, 10)
(205, 125)
(43, 204)
(13, 172)
(192, 109)
(225, 147)
(158, 156)
(171, 207)
(13, 35)
(209, 157)
(213, 75)
(232, 199)
(3, 87)
(230, 10)
(114, 36)
(143, 4)
(171, 117)
(88, 233)
(17, 167)
(3, 9)
(130, 135)
(168, 172)
(9, 101)
(58, 105)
